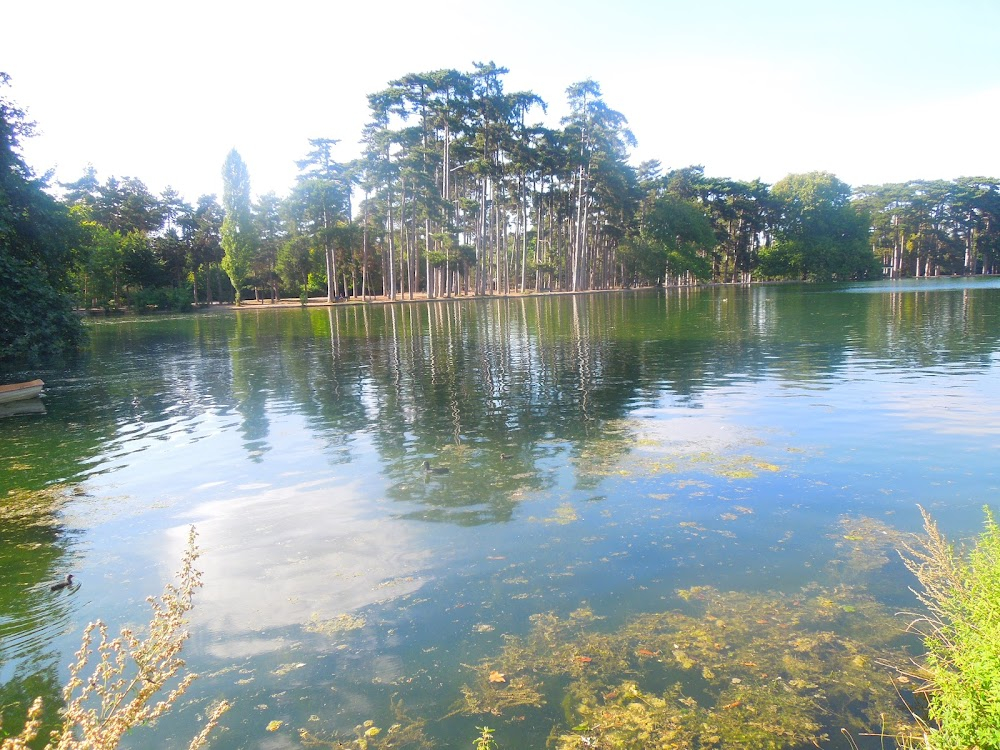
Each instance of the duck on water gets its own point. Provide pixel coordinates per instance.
(62, 584)
(435, 469)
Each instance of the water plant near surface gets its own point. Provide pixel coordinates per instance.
(728, 669)
(125, 688)
(485, 739)
(960, 672)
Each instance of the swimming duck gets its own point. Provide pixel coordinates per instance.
(435, 469)
(63, 584)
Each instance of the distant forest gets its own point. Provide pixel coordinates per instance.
(458, 193)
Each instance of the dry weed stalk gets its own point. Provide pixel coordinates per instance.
(941, 575)
(121, 691)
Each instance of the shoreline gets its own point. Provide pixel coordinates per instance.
(286, 303)
(315, 302)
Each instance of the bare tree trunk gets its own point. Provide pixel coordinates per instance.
(392, 259)
(364, 254)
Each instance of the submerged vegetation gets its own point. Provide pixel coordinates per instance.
(762, 671)
(725, 669)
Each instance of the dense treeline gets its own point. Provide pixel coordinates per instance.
(459, 191)
(37, 236)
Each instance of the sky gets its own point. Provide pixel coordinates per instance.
(874, 91)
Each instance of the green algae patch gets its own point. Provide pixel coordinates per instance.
(564, 514)
(495, 692)
(334, 625)
(286, 669)
(405, 733)
(726, 669)
(607, 455)
(632, 448)
(865, 545)
(27, 508)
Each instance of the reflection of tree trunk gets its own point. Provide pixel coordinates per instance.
(334, 321)
(427, 258)
(331, 280)
(391, 259)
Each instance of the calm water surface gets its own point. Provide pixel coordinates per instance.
(604, 452)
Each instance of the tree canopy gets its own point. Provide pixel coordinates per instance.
(819, 234)
(459, 189)
(36, 239)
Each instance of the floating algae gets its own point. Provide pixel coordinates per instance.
(34, 507)
(495, 691)
(564, 514)
(631, 448)
(338, 624)
(404, 734)
(866, 544)
(285, 669)
(628, 717)
(739, 670)
(604, 456)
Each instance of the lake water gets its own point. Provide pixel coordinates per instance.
(678, 504)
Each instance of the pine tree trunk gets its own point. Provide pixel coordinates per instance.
(391, 260)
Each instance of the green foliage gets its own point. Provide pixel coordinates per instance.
(820, 235)
(36, 240)
(928, 227)
(961, 633)
(99, 269)
(485, 739)
(237, 228)
(294, 263)
(178, 299)
(36, 319)
(674, 239)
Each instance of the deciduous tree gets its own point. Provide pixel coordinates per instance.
(238, 240)
(37, 237)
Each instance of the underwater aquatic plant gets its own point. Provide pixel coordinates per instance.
(405, 733)
(732, 669)
(485, 739)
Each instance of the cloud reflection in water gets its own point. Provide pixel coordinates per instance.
(284, 557)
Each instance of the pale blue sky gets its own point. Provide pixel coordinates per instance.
(872, 91)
